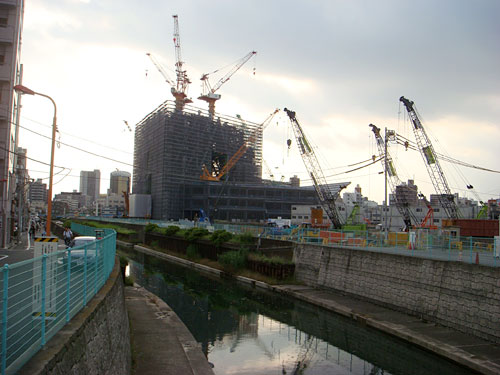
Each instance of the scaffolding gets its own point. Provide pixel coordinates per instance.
(171, 147)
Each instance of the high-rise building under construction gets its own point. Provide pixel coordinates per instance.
(171, 147)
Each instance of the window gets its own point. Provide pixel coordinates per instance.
(294, 217)
(419, 210)
(436, 220)
(299, 217)
(294, 208)
(436, 210)
(3, 21)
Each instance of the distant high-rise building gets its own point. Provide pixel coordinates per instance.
(90, 184)
(11, 25)
(38, 191)
(120, 182)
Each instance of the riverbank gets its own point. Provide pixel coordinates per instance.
(468, 351)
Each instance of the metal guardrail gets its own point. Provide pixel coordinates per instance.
(40, 295)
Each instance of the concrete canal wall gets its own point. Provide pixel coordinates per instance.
(95, 341)
(465, 297)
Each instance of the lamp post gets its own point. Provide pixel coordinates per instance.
(24, 90)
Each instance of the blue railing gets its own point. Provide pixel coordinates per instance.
(40, 295)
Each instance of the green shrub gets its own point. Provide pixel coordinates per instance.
(129, 281)
(232, 261)
(192, 252)
(155, 244)
(245, 238)
(151, 227)
(67, 224)
(171, 230)
(195, 233)
(220, 236)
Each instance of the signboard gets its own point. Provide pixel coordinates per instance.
(45, 245)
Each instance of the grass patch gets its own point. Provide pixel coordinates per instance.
(119, 229)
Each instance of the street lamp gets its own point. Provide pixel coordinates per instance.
(24, 90)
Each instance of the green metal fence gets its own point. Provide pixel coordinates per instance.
(40, 295)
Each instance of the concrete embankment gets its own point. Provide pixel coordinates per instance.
(461, 296)
(95, 341)
(472, 352)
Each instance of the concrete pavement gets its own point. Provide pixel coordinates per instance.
(161, 343)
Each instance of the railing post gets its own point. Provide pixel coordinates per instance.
(68, 285)
(5, 302)
(470, 248)
(85, 276)
(44, 280)
(96, 262)
(449, 247)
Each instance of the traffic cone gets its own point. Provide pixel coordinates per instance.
(477, 258)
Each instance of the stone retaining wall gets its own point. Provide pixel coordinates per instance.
(95, 341)
(462, 296)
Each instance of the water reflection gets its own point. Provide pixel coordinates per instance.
(247, 331)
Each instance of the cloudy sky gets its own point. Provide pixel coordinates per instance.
(340, 65)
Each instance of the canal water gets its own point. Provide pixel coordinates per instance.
(243, 330)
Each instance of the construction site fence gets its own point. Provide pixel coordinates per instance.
(40, 295)
(426, 243)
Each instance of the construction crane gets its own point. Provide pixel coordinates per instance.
(178, 88)
(326, 196)
(208, 91)
(217, 175)
(446, 198)
(428, 221)
(182, 82)
(402, 204)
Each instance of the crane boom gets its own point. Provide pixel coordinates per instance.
(161, 70)
(326, 197)
(207, 176)
(208, 91)
(431, 162)
(402, 203)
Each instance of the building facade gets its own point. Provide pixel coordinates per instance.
(119, 182)
(171, 147)
(11, 25)
(90, 184)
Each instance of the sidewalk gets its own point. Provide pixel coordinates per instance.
(161, 343)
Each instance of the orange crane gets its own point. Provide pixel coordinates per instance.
(208, 91)
(207, 176)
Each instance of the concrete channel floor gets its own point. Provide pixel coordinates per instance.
(161, 343)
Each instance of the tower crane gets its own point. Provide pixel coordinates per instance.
(402, 203)
(179, 91)
(207, 176)
(178, 88)
(446, 198)
(326, 197)
(208, 91)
